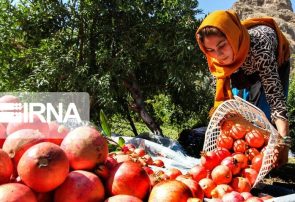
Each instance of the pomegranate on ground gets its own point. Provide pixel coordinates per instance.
(43, 167)
(85, 147)
(80, 186)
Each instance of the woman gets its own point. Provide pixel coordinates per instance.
(249, 57)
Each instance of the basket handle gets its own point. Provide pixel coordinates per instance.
(248, 103)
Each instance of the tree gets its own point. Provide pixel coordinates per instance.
(121, 52)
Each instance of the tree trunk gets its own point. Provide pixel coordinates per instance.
(126, 109)
(139, 106)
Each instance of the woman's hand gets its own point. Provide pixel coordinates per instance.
(282, 150)
(281, 155)
(282, 127)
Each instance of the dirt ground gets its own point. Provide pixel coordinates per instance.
(283, 177)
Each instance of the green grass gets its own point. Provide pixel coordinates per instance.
(122, 127)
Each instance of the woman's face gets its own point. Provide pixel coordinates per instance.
(219, 48)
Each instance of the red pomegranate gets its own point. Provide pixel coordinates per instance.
(233, 197)
(170, 190)
(26, 123)
(195, 188)
(207, 185)
(2, 134)
(128, 178)
(18, 142)
(16, 192)
(57, 132)
(9, 99)
(85, 147)
(198, 172)
(80, 186)
(173, 173)
(122, 197)
(6, 167)
(43, 167)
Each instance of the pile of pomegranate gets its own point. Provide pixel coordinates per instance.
(44, 162)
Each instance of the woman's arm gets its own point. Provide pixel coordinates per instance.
(282, 127)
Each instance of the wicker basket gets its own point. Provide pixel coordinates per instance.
(252, 114)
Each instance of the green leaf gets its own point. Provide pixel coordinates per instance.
(121, 141)
(105, 124)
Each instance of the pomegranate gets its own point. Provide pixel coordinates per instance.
(170, 190)
(122, 197)
(220, 190)
(221, 174)
(251, 174)
(232, 163)
(9, 99)
(6, 167)
(209, 160)
(173, 173)
(128, 178)
(240, 184)
(85, 147)
(57, 132)
(122, 157)
(18, 142)
(251, 152)
(2, 134)
(43, 167)
(240, 145)
(194, 200)
(256, 162)
(255, 138)
(16, 192)
(159, 163)
(80, 186)
(241, 159)
(238, 131)
(246, 195)
(207, 185)
(193, 185)
(221, 153)
(26, 123)
(225, 141)
(139, 152)
(198, 172)
(233, 197)
(254, 199)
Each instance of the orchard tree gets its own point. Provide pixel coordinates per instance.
(122, 53)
